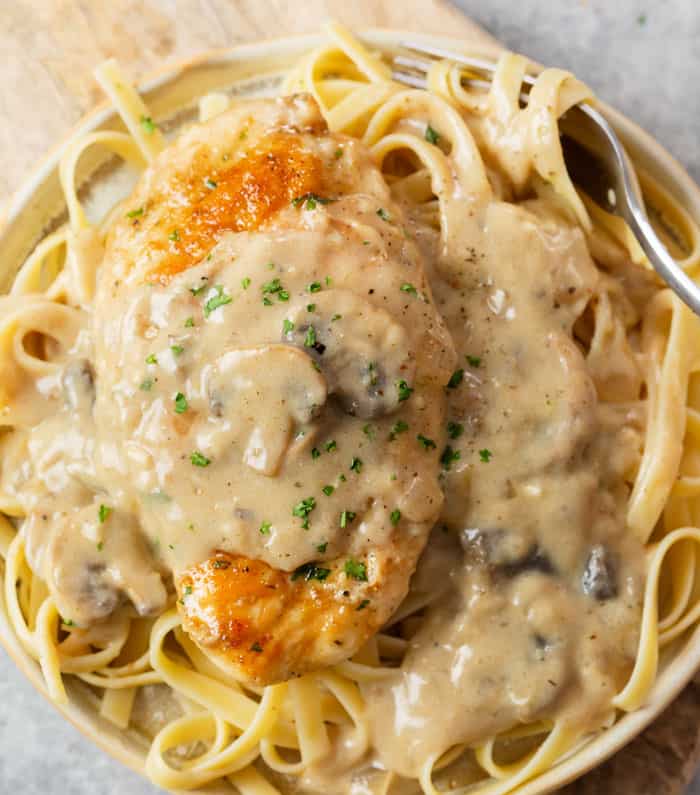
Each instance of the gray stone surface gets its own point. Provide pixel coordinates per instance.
(642, 57)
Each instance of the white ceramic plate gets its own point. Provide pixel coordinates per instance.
(253, 70)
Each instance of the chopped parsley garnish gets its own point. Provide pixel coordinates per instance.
(210, 183)
(311, 307)
(151, 359)
(395, 516)
(303, 509)
(405, 391)
(356, 465)
(245, 283)
(456, 379)
(199, 460)
(100, 546)
(346, 517)
(69, 622)
(256, 647)
(189, 323)
(311, 199)
(322, 547)
(383, 214)
(310, 338)
(397, 428)
(407, 287)
(338, 153)
(147, 124)
(315, 453)
(372, 372)
(265, 528)
(332, 445)
(431, 135)
(274, 287)
(485, 455)
(474, 361)
(448, 456)
(342, 478)
(219, 563)
(137, 213)
(310, 571)
(187, 590)
(266, 301)
(146, 385)
(328, 490)
(287, 326)
(103, 513)
(454, 429)
(220, 299)
(336, 317)
(177, 349)
(174, 236)
(180, 403)
(328, 281)
(368, 431)
(428, 444)
(314, 287)
(362, 604)
(355, 569)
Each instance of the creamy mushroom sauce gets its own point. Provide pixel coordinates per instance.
(541, 584)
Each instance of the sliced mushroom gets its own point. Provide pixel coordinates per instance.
(265, 391)
(362, 351)
(91, 566)
(599, 578)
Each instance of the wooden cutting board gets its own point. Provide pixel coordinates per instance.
(49, 49)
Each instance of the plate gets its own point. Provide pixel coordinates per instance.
(255, 70)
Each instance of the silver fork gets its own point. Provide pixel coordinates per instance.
(595, 159)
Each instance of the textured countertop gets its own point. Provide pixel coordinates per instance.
(643, 58)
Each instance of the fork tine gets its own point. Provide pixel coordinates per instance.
(409, 79)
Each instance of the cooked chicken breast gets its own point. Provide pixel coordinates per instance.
(270, 386)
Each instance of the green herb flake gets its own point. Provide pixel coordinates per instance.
(336, 317)
(356, 465)
(187, 590)
(147, 125)
(405, 391)
(407, 287)
(199, 290)
(199, 460)
(454, 429)
(331, 446)
(321, 548)
(431, 135)
(448, 456)
(265, 528)
(395, 516)
(151, 359)
(256, 647)
(302, 509)
(642, 19)
(369, 431)
(220, 299)
(315, 453)
(342, 478)
(314, 287)
(310, 338)
(177, 350)
(328, 490)
(328, 281)
(100, 546)
(355, 569)
(137, 213)
(310, 200)
(456, 379)
(346, 517)
(383, 214)
(245, 283)
(220, 563)
(189, 323)
(103, 513)
(210, 183)
(287, 326)
(266, 301)
(180, 403)
(174, 236)
(310, 571)
(146, 385)
(428, 444)
(362, 604)
(474, 361)
(485, 455)
(397, 428)
(338, 153)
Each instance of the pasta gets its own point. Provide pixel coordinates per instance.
(430, 146)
